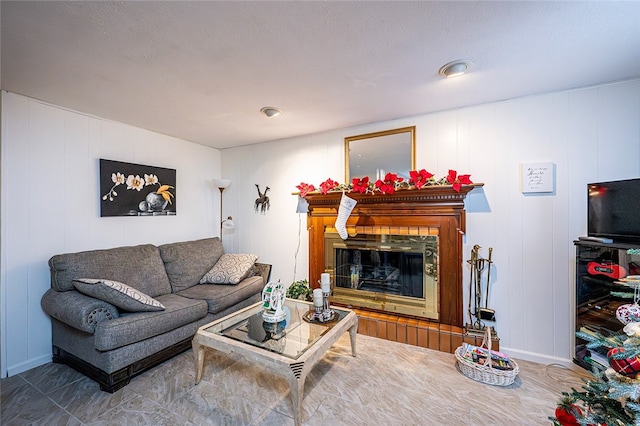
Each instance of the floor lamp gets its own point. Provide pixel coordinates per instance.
(228, 222)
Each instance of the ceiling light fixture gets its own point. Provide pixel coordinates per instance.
(455, 68)
(271, 111)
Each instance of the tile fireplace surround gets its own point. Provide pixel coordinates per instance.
(431, 211)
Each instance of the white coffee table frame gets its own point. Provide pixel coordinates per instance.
(293, 370)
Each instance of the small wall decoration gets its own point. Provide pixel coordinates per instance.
(128, 189)
(262, 202)
(538, 177)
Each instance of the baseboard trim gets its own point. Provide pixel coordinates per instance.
(28, 365)
(541, 358)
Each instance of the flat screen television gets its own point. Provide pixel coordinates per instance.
(614, 210)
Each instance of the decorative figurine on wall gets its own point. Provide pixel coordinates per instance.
(262, 202)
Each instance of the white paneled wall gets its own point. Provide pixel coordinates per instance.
(51, 204)
(50, 200)
(590, 134)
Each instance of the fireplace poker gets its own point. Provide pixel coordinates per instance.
(486, 313)
(473, 285)
(479, 266)
(471, 281)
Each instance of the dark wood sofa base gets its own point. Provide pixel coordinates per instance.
(111, 382)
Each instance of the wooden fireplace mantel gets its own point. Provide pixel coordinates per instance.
(433, 206)
(431, 199)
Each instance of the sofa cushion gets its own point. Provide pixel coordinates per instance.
(220, 297)
(135, 327)
(118, 294)
(230, 269)
(139, 266)
(186, 262)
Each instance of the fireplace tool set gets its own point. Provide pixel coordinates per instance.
(481, 311)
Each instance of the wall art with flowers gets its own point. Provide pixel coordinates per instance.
(128, 189)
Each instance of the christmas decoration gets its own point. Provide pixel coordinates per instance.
(566, 413)
(346, 206)
(609, 398)
(391, 183)
(628, 313)
(626, 366)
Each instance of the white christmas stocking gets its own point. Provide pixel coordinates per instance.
(346, 205)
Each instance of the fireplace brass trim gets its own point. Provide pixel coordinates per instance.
(425, 307)
(384, 302)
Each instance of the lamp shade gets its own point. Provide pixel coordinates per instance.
(228, 223)
(222, 183)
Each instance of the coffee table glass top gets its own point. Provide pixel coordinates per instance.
(298, 335)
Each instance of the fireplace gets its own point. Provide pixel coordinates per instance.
(391, 238)
(391, 272)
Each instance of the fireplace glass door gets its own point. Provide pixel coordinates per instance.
(396, 273)
(378, 270)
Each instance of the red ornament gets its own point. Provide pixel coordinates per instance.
(629, 367)
(566, 418)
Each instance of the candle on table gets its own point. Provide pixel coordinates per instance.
(317, 297)
(325, 282)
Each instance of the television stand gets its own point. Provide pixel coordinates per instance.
(599, 292)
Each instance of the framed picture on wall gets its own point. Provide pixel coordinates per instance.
(128, 189)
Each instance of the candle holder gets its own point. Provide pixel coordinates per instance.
(322, 309)
(327, 312)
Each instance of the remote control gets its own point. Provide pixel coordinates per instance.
(596, 239)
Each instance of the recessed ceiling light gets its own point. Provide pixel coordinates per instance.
(271, 111)
(455, 68)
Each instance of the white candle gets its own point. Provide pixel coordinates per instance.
(325, 282)
(317, 297)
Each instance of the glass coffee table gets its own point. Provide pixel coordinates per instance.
(291, 351)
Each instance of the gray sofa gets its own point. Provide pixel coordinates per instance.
(111, 345)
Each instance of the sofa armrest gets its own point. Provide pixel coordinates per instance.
(77, 310)
(262, 269)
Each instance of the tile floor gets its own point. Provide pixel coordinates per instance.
(388, 383)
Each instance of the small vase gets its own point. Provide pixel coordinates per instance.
(155, 202)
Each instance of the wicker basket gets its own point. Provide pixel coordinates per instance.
(486, 373)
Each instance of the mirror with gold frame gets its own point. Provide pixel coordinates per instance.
(376, 154)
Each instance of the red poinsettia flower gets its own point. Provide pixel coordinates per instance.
(388, 185)
(419, 178)
(305, 188)
(328, 185)
(360, 185)
(457, 181)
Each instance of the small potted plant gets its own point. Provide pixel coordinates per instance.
(300, 290)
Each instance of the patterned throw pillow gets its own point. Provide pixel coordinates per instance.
(230, 269)
(118, 294)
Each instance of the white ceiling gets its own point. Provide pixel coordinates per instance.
(201, 71)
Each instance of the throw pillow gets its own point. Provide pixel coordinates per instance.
(229, 269)
(118, 294)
